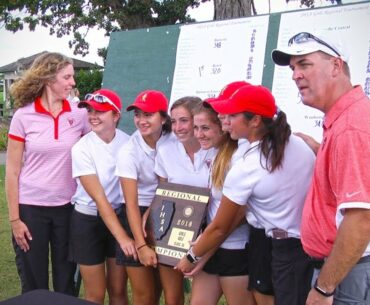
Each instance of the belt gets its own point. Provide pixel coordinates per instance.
(87, 210)
(279, 234)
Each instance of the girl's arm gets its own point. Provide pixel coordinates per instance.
(146, 254)
(215, 233)
(92, 186)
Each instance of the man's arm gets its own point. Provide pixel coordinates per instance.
(353, 236)
(310, 141)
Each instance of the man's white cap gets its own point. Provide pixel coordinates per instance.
(328, 43)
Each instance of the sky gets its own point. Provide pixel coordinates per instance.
(14, 46)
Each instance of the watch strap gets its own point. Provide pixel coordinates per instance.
(322, 291)
(191, 256)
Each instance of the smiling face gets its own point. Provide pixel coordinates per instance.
(103, 123)
(149, 124)
(182, 124)
(207, 131)
(61, 87)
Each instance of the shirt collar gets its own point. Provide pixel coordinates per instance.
(342, 104)
(66, 107)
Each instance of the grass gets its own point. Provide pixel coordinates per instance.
(9, 281)
(3, 137)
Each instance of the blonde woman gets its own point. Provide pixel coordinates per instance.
(39, 183)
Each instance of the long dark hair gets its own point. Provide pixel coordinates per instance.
(276, 136)
(167, 126)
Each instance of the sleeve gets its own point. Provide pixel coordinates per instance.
(82, 161)
(16, 129)
(159, 166)
(127, 164)
(240, 181)
(350, 173)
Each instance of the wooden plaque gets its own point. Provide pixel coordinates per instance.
(177, 214)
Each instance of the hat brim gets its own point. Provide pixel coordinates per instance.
(103, 107)
(224, 106)
(282, 57)
(144, 108)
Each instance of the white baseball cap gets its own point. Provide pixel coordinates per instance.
(304, 43)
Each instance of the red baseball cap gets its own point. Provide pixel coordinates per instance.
(226, 92)
(249, 98)
(150, 101)
(102, 100)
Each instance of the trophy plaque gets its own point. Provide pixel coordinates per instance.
(177, 214)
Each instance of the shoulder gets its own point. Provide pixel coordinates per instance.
(168, 143)
(29, 108)
(83, 143)
(298, 148)
(77, 111)
(122, 135)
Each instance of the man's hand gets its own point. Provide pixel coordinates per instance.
(315, 298)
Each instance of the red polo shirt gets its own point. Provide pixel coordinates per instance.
(341, 177)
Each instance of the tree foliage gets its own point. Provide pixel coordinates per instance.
(76, 17)
(88, 81)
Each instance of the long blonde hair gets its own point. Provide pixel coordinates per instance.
(32, 83)
(226, 149)
(222, 162)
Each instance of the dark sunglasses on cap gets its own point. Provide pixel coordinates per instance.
(305, 36)
(98, 98)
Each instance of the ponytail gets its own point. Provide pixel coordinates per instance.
(274, 141)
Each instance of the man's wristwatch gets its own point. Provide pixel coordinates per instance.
(191, 256)
(322, 291)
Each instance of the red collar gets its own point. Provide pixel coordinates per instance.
(40, 108)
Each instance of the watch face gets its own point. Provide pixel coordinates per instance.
(190, 258)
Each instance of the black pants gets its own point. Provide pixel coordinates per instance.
(49, 226)
(291, 272)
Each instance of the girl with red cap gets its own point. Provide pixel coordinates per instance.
(135, 167)
(271, 180)
(95, 227)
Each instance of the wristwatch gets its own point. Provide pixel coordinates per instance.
(322, 291)
(191, 256)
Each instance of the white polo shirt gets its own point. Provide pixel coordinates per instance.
(92, 156)
(173, 163)
(136, 161)
(275, 200)
(240, 236)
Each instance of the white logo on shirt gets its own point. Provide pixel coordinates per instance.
(349, 195)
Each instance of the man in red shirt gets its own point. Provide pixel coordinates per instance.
(336, 217)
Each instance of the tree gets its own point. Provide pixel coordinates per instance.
(88, 81)
(311, 3)
(224, 9)
(76, 17)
